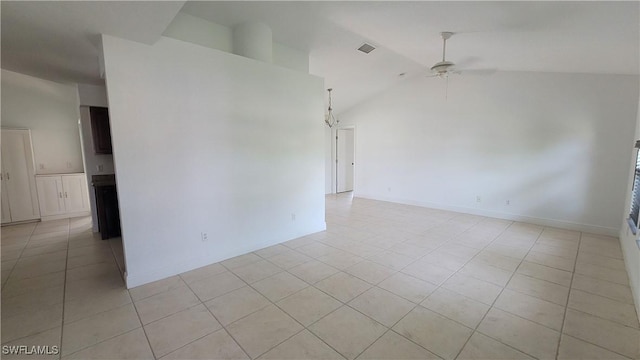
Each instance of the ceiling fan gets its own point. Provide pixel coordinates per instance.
(444, 68)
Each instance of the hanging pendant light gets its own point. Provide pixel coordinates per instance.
(329, 119)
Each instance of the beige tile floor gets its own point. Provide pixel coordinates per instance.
(385, 281)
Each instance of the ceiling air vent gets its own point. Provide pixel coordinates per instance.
(366, 48)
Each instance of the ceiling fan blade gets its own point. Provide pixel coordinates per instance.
(444, 75)
(478, 72)
(468, 62)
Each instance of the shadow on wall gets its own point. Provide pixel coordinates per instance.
(565, 159)
(554, 145)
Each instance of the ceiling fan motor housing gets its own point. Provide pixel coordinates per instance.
(442, 67)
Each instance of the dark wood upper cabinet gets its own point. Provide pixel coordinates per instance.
(100, 129)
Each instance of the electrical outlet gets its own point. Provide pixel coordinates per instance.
(68, 164)
(478, 198)
(41, 166)
(100, 168)
(508, 202)
(204, 236)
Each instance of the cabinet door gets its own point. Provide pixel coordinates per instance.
(50, 195)
(6, 213)
(100, 130)
(18, 176)
(76, 197)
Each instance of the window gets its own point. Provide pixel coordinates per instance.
(635, 194)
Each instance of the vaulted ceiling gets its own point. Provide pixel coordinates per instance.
(58, 40)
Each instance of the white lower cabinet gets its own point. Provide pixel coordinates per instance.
(50, 195)
(76, 196)
(62, 196)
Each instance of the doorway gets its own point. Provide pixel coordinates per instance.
(345, 159)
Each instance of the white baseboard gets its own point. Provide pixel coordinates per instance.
(65, 216)
(20, 222)
(179, 267)
(588, 228)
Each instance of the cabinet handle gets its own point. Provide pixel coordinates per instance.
(65, 194)
(61, 195)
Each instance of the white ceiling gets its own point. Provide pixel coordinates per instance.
(57, 40)
(582, 37)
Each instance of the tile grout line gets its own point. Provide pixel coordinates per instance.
(566, 308)
(566, 305)
(475, 329)
(420, 303)
(303, 326)
(513, 273)
(64, 285)
(562, 333)
(101, 341)
(20, 256)
(212, 314)
(490, 306)
(142, 325)
(390, 328)
(596, 345)
(77, 320)
(227, 269)
(504, 287)
(292, 294)
(342, 304)
(605, 319)
(276, 305)
(603, 296)
(64, 292)
(415, 304)
(98, 313)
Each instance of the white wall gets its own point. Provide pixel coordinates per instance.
(50, 110)
(290, 58)
(92, 95)
(195, 30)
(206, 141)
(630, 249)
(555, 145)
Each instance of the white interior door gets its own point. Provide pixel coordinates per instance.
(17, 163)
(345, 156)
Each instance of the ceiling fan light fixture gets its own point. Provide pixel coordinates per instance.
(442, 67)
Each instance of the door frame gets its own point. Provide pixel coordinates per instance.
(335, 157)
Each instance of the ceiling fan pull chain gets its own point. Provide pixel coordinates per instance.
(446, 90)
